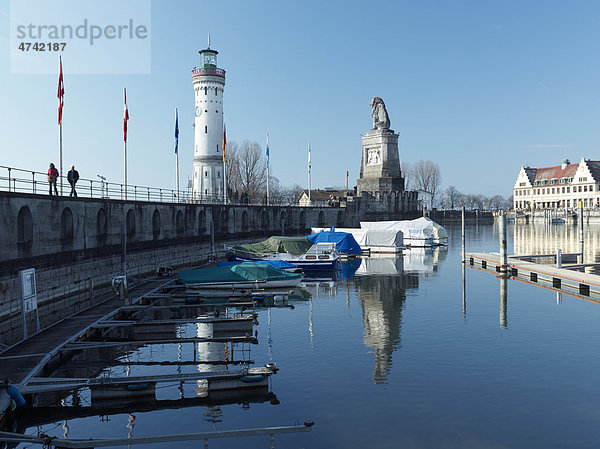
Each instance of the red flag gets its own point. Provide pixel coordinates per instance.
(125, 115)
(224, 142)
(61, 92)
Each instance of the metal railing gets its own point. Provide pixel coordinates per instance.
(28, 181)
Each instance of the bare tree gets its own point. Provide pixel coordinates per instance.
(452, 197)
(427, 177)
(253, 171)
(406, 169)
(232, 170)
(496, 202)
(480, 201)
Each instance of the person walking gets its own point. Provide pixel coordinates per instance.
(73, 177)
(52, 177)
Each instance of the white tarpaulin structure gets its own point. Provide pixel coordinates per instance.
(374, 240)
(420, 232)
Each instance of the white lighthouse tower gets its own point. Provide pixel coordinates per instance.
(209, 84)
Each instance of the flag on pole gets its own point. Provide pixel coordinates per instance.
(125, 115)
(224, 141)
(176, 131)
(309, 155)
(267, 150)
(61, 92)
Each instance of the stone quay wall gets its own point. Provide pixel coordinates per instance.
(75, 244)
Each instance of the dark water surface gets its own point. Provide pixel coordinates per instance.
(393, 358)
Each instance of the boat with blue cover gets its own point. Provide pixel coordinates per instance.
(239, 276)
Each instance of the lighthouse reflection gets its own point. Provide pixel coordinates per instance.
(382, 284)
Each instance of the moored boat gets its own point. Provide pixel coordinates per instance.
(239, 276)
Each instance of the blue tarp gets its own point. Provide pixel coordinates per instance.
(344, 242)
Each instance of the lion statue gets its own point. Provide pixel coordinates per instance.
(381, 120)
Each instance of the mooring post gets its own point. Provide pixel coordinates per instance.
(580, 257)
(503, 253)
(463, 235)
(503, 302)
(558, 258)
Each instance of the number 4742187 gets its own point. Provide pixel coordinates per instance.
(42, 46)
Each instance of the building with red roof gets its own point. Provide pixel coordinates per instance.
(560, 186)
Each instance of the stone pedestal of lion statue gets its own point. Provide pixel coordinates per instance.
(380, 166)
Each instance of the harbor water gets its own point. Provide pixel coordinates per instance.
(394, 354)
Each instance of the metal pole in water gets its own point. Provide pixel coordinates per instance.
(558, 258)
(580, 217)
(503, 254)
(463, 235)
(503, 302)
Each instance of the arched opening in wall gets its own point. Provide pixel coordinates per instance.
(201, 222)
(66, 224)
(302, 221)
(225, 220)
(264, 219)
(130, 223)
(179, 222)
(339, 222)
(24, 225)
(101, 223)
(244, 221)
(282, 222)
(321, 221)
(155, 224)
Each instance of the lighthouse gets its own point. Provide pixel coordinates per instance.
(209, 83)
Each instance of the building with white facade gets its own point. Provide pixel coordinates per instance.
(560, 186)
(209, 85)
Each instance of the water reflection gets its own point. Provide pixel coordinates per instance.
(382, 284)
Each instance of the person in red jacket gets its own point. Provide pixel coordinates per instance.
(52, 177)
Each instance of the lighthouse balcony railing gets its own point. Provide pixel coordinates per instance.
(208, 71)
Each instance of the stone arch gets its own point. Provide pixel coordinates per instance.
(101, 223)
(155, 224)
(339, 222)
(302, 220)
(244, 220)
(201, 222)
(321, 220)
(264, 219)
(24, 225)
(130, 223)
(66, 224)
(179, 226)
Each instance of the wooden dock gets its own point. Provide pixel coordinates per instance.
(568, 279)
(27, 358)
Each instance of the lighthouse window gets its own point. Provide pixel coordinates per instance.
(206, 91)
(216, 91)
(205, 173)
(205, 129)
(218, 174)
(217, 148)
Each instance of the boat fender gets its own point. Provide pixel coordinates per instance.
(272, 366)
(309, 423)
(14, 394)
(252, 378)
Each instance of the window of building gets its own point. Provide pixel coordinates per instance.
(585, 188)
(568, 203)
(217, 148)
(218, 174)
(568, 188)
(563, 190)
(206, 129)
(521, 184)
(216, 91)
(205, 173)
(206, 91)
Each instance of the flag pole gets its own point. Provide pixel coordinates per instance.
(125, 119)
(309, 172)
(177, 155)
(60, 158)
(60, 95)
(268, 177)
(224, 165)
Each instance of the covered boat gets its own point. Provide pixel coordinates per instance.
(281, 264)
(242, 275)
(296, 250)
(385, 241)
(420, 232)
(345, 243)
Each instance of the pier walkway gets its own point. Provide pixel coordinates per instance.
(26, 359)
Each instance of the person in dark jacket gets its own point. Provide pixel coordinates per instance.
(52, 177)
(73, 177)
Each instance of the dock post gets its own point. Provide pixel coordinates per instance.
(503, 253)
(463, 235)
(558, 258)
(580, 219)
(503, 302)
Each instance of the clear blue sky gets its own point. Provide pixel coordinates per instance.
(478, 87)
